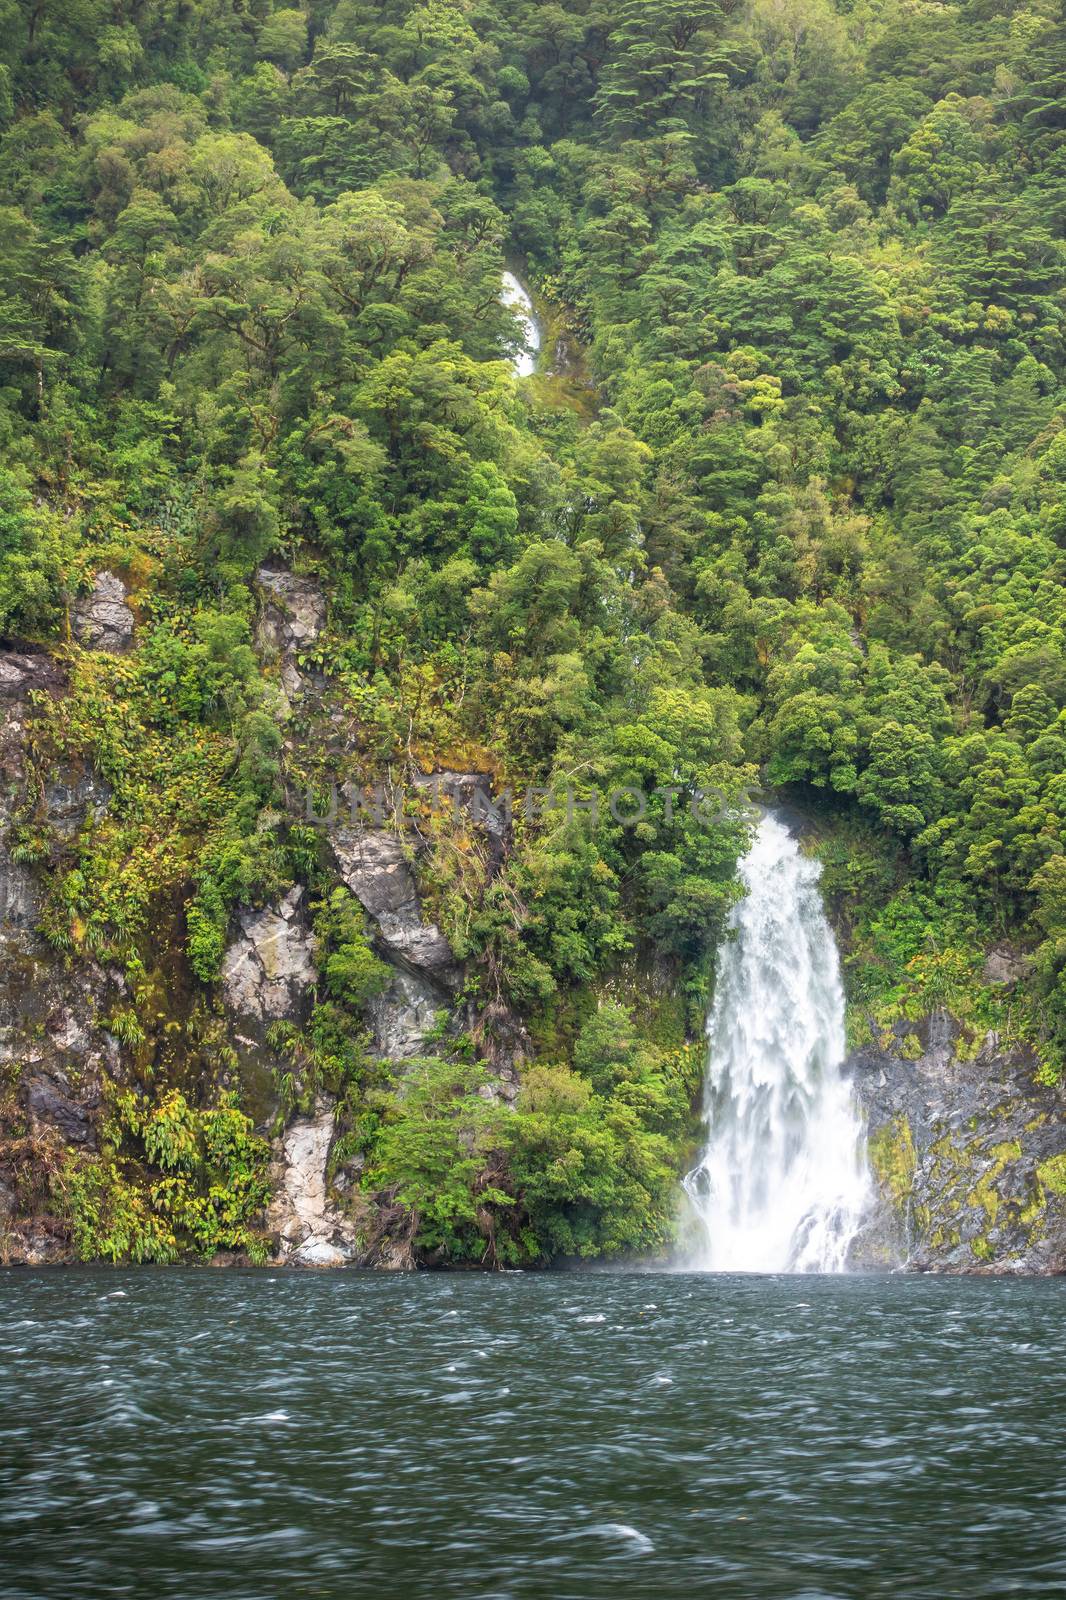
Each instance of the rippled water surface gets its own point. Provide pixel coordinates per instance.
(262, 1434)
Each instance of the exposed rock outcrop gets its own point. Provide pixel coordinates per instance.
(470, 795)
(401, 1017)
(21, 672)
(56, 1050)
(293, 616)
(72, 797)
(373, 864)
(20, 675)
(55, 1058)
(19, 901)
(311, 1230)
(1006, 966)
(53, 1100)
(270, 965)
(102, 618)
(969, 1157)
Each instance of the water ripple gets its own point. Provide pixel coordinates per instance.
(548, 1437)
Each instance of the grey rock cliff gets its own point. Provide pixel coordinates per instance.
(292, 617)
(401, 1017)
(374, 865)
(20, 675)
(102, 618)
(270, 965)
(960, 1152)
(311, 1229)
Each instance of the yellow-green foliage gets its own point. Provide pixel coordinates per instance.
(170, 1181)
(112, 1217)
(1052, 1174)
(169, 790)
(985, 1192)
(891, 1154)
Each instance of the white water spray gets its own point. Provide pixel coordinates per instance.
(515, 297)
(782, 1182)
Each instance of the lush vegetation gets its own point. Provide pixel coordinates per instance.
(809, 530)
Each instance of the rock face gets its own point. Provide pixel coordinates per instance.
(102, 618)
(51, 1100)
(1006, 966)
(469, 795)
(270, 965)
(403, 1015)
(373, 864)
(312, 1232)
(72, 798)
(51, 1040)
(293, 616)
(58, 1058)
(969, 1158)
(20, 674)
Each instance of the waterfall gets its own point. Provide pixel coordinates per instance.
(782, 1181)
(515, 297)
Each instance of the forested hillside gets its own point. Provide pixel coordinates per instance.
(783, 507)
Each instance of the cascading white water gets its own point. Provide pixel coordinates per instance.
(782, 1181)
(515, 297)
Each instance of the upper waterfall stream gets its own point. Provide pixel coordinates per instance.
(516, 297)
(782, 1181)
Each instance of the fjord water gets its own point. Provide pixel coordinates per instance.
(782, 1181)
(564, 1436)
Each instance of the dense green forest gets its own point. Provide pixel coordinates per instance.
(793, 516)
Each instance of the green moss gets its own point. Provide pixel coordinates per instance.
(858, 1029)
(1052, 1174)
(985, 1192)
(981, 1249)
(892, 1158)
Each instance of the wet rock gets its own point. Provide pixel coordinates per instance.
(53, 1102)
(37, 1241)
(102, 618)
(20, 674)
(293, 616)
(373, 864)
(402, 1017)
(311, 1230)
(1006, 966)
(270, 966)
(72, 797)
(959, 1151)
(69, 1031)
(19, 900)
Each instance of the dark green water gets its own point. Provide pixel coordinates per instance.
(242, 1434)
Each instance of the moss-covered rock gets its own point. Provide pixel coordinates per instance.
(968, 1156)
